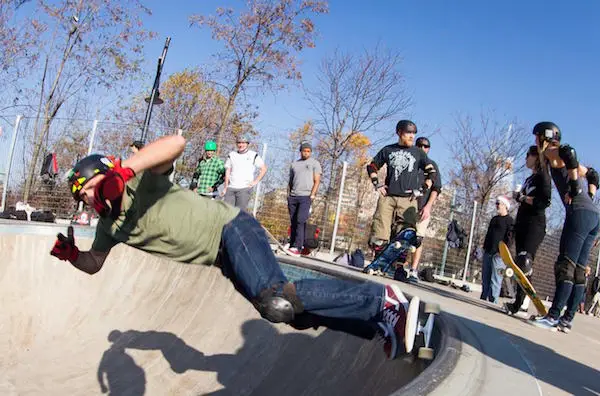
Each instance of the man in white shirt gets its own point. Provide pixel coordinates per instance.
(239, 173)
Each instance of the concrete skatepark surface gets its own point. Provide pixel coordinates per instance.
(147, 326)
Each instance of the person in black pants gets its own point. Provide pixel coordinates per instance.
(530, 224)
(582, 224)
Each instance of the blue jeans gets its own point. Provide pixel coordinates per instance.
(579, 231)
(247, 259)
(299, 208)
(491, 279)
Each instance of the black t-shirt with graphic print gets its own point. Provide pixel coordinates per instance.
(403, 164)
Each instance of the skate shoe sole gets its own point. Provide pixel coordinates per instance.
(412, 322)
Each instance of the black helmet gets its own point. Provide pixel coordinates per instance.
(85, 170)
(548, 131)
(422, 141)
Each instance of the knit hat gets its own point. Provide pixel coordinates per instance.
(504, 200)
(305, 144)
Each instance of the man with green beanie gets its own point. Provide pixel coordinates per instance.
(210, 171)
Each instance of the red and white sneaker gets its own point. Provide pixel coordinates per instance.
(399, 320)
(294, 251)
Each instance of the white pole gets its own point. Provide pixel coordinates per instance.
(255, 210)
(464, 278)
(11, 152)
(172, 175)
(337, 212)
(92, 136)
(598, 263)
(89, 152)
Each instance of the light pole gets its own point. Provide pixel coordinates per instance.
(154, 98)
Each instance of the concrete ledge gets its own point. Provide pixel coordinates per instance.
(446, 341)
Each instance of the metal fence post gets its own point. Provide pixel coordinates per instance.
(337, 211)
(445, 254)
(464, 278)
(11, 152)
(92, 136)
(172, 175)
(598, 262)
(255, 210)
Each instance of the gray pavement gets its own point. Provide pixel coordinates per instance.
(502, 355)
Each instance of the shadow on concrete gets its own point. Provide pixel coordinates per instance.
(469, 298)
(543, 363)
(268, 362)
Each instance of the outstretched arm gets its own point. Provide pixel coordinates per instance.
(157, 156)
(65, 249)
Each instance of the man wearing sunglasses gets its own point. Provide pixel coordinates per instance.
(396, 201)
(424, 205)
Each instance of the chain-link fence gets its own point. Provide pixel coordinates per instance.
(344, 205)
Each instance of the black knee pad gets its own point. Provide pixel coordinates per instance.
(564, 270)
(525, 262)
(279, 307)
(579, 275)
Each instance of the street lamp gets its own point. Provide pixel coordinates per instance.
(154, 98)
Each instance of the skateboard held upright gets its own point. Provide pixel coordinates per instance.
(513, 270)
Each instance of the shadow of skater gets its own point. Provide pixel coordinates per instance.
(272, 363)
(123, 375)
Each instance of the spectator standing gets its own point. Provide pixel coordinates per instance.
(304, 179)
(240, 167)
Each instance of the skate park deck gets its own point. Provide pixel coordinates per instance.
(148, 326)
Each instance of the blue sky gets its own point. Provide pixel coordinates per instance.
(530, 60)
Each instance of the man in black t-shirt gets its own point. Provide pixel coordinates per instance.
(396, 200)
(500, 229)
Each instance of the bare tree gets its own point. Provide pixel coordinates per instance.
(261, 45)
(89, 44)
(356, 94)
(485, 154)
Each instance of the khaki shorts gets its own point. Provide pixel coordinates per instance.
(422, 226)
(393, 210)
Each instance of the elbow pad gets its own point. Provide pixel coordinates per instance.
(592, 177)
(429, 172)
(569, 156)
(371, 168)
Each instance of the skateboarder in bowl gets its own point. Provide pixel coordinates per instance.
(530, 224)
(581, 226)
(140, 207)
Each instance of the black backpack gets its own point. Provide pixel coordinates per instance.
(596, 285)
(357, 259)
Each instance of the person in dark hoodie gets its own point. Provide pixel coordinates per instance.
(530, 224)
(582, 224)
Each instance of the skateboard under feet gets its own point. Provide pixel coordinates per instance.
(420, 333)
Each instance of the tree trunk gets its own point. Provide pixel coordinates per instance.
(37, 148)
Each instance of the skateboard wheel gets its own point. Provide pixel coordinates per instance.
(432, 308)
(426, 353)
(509, 272)
(397, 245)
(412, 249)
(371, 272)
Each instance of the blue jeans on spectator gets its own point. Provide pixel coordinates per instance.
(299, 208)
(579, 232)
(491, 279)
(247, 259)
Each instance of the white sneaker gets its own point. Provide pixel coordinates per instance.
(294, 251)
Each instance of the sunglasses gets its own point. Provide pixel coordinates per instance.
(423, 146)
